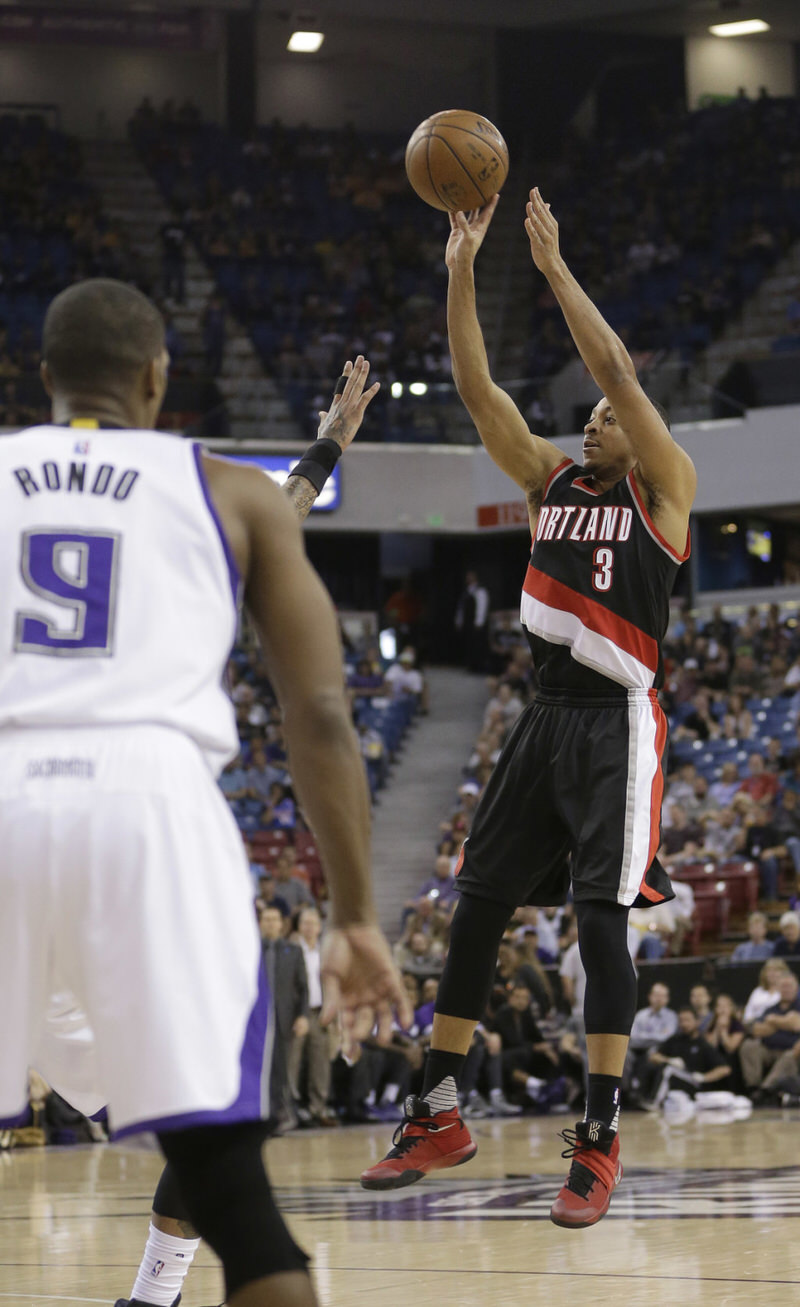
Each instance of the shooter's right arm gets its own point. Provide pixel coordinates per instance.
(526, 458)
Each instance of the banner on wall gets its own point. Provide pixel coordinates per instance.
(177, 30)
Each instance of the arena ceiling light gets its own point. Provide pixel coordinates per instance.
(745, 27)
(305, 42)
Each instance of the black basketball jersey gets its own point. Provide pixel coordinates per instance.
(595, 603)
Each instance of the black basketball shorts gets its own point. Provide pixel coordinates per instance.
(575, 796)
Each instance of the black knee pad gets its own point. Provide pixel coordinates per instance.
(475, 935)
(610, 1003)
(221, 1177)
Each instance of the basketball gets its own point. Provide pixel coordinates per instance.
(456, 160)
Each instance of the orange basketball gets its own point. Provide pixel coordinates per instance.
(456, 160)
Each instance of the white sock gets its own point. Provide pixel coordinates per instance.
(495, 1094)
(532, 1086)
(163, 1268)
(389, 1095)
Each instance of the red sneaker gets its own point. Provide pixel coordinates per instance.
(594, 1175)
(423, 1142)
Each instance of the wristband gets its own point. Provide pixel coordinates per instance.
(318, 462)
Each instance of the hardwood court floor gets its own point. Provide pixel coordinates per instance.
(706, 1214)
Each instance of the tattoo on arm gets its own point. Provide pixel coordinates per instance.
(301, 494)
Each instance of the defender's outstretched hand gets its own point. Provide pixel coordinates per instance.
(341, 421)
(467, 231)
(358, 972)
(542, 230)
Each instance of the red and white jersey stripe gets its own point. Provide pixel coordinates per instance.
(595, 601)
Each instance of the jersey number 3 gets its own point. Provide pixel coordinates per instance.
(603, 569)
(77, 573)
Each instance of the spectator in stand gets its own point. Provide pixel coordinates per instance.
(788, 943)
(775, 676)
(423, 1015)
(433, 919)
(528, 1061)
(737, 722)
(472, 623)
(786, 824)
(313, 1047)
(441, 886)
(766, 993)
(260, 775)
(651, 1026)
(268, 896)
(572, 973)
(721, 792)
(762, 843)
(685, 1061)
(745, 676)
(280, 811)
(652, 931)
(725, 1033)
(681, 832)
(700, 1003)
(503, 708)
(761, 785)
(791, 681)
(700, 724)
(756, 948)
(403, 678)
(233, 780)
(718, 628)
(418, 954)
(724, 837)
(514, 966)
(373, 751)
(174, 242)
(532, 923)
(700, 807)
(290, 886)
(288, 987)
(772, 1037)
(366, 682)
(681, 785)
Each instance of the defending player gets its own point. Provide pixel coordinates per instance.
(172, 1241)
(123, 878)
(577, 791)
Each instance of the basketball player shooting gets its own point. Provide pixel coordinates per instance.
(124, 878)
(576, 794)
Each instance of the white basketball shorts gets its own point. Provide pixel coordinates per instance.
(123, 880)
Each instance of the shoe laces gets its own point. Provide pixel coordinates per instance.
(580, 1178)
(403, 1140)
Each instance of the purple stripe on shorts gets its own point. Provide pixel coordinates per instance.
(233, 570)
(249, 1104)
(13, 1122)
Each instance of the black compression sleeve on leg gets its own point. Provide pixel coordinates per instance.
(168, 1201)
(475, 936)
(610, 1003)
(221, 1175)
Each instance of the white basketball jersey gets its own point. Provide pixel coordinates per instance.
(117, 590)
